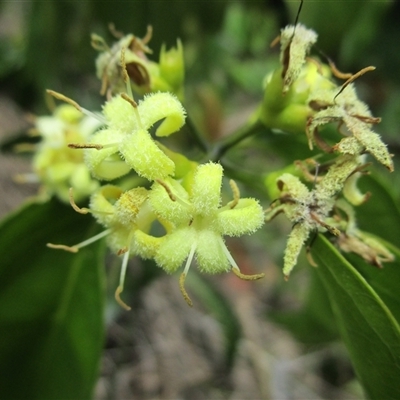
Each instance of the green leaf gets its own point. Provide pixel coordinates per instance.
(368, 329)
(379, 215)
(51, 305)
(384, 281)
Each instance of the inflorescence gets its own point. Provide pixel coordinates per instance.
(179, 215)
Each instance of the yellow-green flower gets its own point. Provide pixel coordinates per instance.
(127, 217)
(200, 222)
(145, 75)
(126, 143)
(58, 167)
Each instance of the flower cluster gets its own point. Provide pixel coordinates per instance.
(178, 215)
(55, 166)
(146, 76)
(301, 97)
(184, 199)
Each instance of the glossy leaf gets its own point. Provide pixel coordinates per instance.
(51, 305)
(384, 281)
(380, 215)
(368, 328)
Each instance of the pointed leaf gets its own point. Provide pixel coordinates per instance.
(368, 329)
(380, 215)
(384, 281)
(51, 305)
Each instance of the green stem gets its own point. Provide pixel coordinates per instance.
(254, 181)
(195, 134)
(221, 147)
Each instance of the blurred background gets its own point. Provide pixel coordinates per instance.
(241, 340)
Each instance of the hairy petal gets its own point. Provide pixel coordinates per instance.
(120, 115)
(144, 245)
(210, 255)
(102, 204)
(296, 42)
(158, 106)
(143, 155)
(206, 190)
(246, 217)
(297, 237)
(175, 248)
(129, 204)
(106, 163)
(175, 211)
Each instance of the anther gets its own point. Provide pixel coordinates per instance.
(72, 249)
(73, 103)
(336, 72)
(129, 100)
(254, 277)
(79, 210)
(330, 228)
(66, 99)
(147, 38)
(275, 41)
(85, 146)
(113, 30)
(127, 82)
(236, 194)
(183, 290)
(167, 189)
(353, 78)
(119, 300)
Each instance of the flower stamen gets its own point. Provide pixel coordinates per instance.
(87, 146)
(171, 195)
(71, 249)
(353, 78)
(235, 268)
(73, 103)
(120, 287)
(129, 96)
(245, 277)
(75, 248)
(236, 194)
(79, 210)
(182, 278)
(167, 189)
(330, 228)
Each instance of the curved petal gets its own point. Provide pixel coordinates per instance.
(106, 163)
(246, 217)
(102, 204)
(206, 190)
(145, 245)
(120, 115)
(143, 155)
(297, 237)
(119, 238)
(129, 204)
(175, 248)
(177, 211)
(157, 106)
(210, 255)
